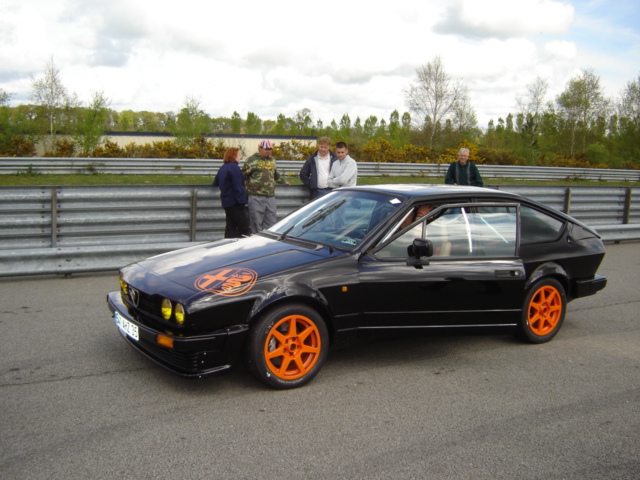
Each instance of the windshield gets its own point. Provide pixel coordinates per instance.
(340, 219)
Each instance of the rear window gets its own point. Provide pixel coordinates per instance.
(538, 227)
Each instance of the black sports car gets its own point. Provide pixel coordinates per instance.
(371, 257)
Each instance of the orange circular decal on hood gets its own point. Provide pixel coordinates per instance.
(229, 282)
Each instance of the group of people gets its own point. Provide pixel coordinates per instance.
(247, 193)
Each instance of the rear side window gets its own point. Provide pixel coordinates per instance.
(538, 227)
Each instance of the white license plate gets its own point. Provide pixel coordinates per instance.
(126, 326)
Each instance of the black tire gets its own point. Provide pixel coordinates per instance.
(543, 311)
(285, 358)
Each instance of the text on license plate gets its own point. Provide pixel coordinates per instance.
(126, 326)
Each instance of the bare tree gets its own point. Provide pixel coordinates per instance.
(433, 97)
(4, 97)
(52, 97)
(463, 116)
(531, 109)
(534, 103)
(630, 103)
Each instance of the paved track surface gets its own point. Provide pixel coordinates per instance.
(76, 402)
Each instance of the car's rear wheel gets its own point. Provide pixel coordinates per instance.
(288, 346)
(543, 312)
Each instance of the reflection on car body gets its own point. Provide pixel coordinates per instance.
(348, 262)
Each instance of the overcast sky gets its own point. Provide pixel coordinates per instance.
(332, 57)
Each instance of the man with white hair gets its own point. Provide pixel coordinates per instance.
(463, 172)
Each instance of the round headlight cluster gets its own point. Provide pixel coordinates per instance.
(124, 288)
(168, 311)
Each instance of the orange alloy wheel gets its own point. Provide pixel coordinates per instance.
(545, 310)
(292, 347)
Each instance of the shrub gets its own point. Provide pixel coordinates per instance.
(18, 147)
(62, 148)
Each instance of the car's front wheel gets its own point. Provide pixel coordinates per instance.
(288, 346)
(543, 312)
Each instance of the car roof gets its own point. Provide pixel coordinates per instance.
(411, 190)
(419, 190)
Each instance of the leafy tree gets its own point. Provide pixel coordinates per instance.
(344, 131)
(6, 126)
(253, 124)
(370, 125)
(221, 125)
(89, 128)
(357, 131)
(281, 125)
(191, 122)
(303, 122)
(580, 104)
(628, 130)
(236, 123)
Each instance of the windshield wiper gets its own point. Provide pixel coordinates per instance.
(323, 213)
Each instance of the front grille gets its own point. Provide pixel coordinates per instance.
(147, 311)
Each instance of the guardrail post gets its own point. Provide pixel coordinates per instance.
(54, 217)
(567, 200)
(194, 214)
(627, 206)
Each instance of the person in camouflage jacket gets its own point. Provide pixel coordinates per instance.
(261, 177)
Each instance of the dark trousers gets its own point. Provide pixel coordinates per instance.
(237, 218)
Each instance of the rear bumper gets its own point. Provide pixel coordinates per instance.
(584, 288)
(191, 356)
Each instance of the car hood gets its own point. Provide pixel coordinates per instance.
(256, 256)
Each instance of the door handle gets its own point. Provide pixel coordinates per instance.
(508, 273)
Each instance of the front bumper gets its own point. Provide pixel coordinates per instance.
(191, 356)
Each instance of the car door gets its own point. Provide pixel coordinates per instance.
(474, 276)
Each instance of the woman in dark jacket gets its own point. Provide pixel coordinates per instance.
(233, 195)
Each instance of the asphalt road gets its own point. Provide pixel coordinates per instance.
(76, 402)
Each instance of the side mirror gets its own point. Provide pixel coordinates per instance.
(419, 248)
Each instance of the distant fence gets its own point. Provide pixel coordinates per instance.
(64, 230)
(203, 167)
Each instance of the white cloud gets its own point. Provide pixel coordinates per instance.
(335, 57)
(506, 18)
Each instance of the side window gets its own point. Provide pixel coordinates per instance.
(462, 232)
(493, 230)
(474, 232)
(537, 227)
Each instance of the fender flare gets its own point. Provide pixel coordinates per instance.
(548, 269)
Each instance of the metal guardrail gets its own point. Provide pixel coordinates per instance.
(204, 167)
(64, 230)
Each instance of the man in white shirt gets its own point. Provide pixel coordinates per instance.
(344, 172)
(315, 171)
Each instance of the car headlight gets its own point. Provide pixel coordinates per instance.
(166, 308)
(168, 311)
(124, 288)
(180, 314)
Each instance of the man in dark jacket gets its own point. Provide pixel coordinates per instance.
(315, 171)
(463, 172)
